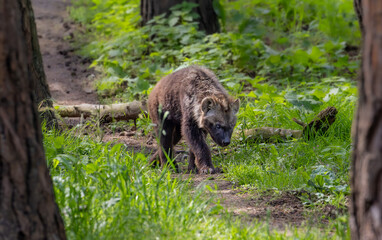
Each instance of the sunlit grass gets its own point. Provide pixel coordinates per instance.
(105, 192)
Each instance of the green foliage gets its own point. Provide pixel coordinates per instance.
(282, 41)
(105, 192)
(283, 58)
(276, 19)
(134, 55)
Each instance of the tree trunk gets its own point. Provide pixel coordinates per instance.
(27, 207)
(366, 176)
(208, 20)
(358, 11)
(35, 64)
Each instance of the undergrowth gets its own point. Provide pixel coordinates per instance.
(106, 192)
(283, 59)
(282, 41)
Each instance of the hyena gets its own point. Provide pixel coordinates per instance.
(191, 103)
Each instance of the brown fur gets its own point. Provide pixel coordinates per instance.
(191, 103)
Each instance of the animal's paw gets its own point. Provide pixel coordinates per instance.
(209, 170)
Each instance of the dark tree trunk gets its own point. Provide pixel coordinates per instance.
(208, 20)
(35, 64)
(27, 207)
(366, 176)
(358, 11)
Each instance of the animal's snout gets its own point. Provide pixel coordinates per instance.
(226, 142)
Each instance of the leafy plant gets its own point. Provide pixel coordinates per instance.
(284, 42)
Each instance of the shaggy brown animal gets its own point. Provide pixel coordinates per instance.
(191, 103)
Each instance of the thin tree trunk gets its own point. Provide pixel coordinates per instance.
(366, 176)
(27, 207)
(208, 20)
(35, 64)
(358, 11)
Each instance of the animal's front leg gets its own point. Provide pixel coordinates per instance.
(198, 146)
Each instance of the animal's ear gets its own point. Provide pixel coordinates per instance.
(207, 104)
(236, 106)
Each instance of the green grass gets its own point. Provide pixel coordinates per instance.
(105, 192)
(283, 59)
(291, 165)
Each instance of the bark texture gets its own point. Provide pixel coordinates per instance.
(27, 207)
(35, 64)
(208, 20)
(366, 176)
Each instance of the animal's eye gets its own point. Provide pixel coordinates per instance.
(218, 126)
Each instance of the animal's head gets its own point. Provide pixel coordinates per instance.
(218, 117)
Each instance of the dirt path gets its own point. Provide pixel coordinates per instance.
(68, 75)
(70, 81)
(277, 209)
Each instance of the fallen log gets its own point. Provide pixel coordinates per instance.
(132, 110)
(106, 113)
(319, 125)
(268, 134)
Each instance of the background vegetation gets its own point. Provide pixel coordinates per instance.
(282, 58)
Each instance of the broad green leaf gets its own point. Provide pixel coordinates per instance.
(315, 54)
(173, 21)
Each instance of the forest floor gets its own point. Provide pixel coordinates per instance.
(70, 81)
